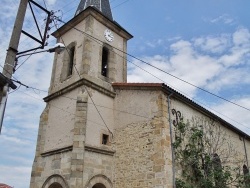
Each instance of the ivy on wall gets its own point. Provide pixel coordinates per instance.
(205, 156)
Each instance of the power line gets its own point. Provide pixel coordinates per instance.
(170, 75)
(158, 69)
(29, 87)
(45, 4)
(24, 61)
(87, 90)
(54, 106)
(75, 6)
(27, 22)
(8, 71)
(189, 83)
(120, 4)
(121, 111)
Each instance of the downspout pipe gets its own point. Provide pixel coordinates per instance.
(245, 150)
(171, 138)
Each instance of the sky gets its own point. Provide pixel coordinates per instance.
(205, 43)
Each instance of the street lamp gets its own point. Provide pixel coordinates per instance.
(6, 82)
(58, 48)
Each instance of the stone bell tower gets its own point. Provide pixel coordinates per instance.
(74, 148)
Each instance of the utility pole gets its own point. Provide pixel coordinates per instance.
(11, 55)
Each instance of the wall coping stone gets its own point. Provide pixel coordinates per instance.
(56, 151)
(99, 150)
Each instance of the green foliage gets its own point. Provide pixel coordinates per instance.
(200, 168)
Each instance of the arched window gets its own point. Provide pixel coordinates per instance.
(246, 175)
(71, 60)
(68, 61)
(217, 168)
(216, 161)
(105, 58)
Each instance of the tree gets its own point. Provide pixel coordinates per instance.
(203, 156)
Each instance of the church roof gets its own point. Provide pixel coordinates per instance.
(175, 94)
(102, 5)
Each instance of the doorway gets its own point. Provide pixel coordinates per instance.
(55, 185)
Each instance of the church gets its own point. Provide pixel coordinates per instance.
(99, 131)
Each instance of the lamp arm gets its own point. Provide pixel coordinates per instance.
(31, 54)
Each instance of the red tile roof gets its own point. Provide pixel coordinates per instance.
(4, 186)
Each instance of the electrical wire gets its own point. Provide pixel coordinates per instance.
(171, 75)
(24, 61)
(61, 109)
(23, 45)
(67, 11)
(45, 4)
(131, 62)
(120, 4)
(14, 90)
(109, 108)
(114, 109)
(29, 87)
(7, 72)
(157, 68)
(121, 111)
(88, 91)
(99, 41)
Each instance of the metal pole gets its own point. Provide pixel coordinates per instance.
(12, 51)
(3, 105)
(14, 40)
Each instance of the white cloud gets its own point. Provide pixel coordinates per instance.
(241, 37)
(15, 179)
(51, 2)
(214, 63)
(229, 78)
(188, 59)
(212, 44)
(226, 19)
(239, 51)
(231, 113)
(8, 10)
(193, 61)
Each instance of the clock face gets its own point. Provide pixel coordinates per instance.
(108, 35)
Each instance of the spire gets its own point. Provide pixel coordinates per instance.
(102, 5)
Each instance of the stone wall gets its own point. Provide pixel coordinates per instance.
(143, 153)
(98, 162)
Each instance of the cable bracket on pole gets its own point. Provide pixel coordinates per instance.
(43, 36)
